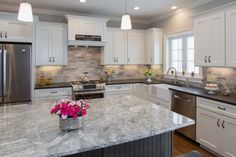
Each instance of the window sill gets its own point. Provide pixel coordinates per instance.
(195, 79)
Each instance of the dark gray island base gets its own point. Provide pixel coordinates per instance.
(155, 146)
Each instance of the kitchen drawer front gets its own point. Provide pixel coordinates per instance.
(120, 87)
(159, 102)
(217, 107)
(53, 92)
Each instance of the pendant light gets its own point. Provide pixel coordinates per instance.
(126, 20)
(25, 12)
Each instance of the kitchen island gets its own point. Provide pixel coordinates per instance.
(113, 127)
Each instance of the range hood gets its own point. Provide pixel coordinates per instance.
(86, 31)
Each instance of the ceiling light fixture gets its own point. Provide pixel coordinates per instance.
(126, 20)
(174, 7)
(136, 8)
(83, 1)
(25, 12)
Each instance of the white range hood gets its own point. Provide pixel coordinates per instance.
(82, 25)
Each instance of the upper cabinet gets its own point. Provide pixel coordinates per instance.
(15, 31)
(85, 26)
(231, 38)
(210, 40)
(51, 44)
(153, 46)
(132, 47)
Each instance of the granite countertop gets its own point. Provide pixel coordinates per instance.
(30, 131)
(203, 93)
(55, 85)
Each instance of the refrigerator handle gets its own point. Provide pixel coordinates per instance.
(4, 72)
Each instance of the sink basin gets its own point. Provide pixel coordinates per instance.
(161, 91)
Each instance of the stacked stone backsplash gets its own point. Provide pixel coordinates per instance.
(221, 76)
(83, 59)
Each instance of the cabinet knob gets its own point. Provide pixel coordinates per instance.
(1, 34)
(128, 59)
(53, 59)
(114, 59)
(205, 59)
(117, 59)
(5, 34)
(209, 59)
(218, 122)
(50, 59)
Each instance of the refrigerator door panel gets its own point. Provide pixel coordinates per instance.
(18, 70)
(1, 74)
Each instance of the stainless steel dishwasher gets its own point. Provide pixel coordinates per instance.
(185, 104)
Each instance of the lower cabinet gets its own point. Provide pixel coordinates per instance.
(52, 95)
(159, 102)
(216, 126)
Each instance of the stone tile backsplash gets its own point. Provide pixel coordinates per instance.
(220, 76)
(83, 59)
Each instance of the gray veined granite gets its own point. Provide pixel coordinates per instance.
(30, 131)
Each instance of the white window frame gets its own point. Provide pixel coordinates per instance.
(197, 78)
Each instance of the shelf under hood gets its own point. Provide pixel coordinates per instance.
(86, 43)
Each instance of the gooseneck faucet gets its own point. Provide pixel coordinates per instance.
(172, 68)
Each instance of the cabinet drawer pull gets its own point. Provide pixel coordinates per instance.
(5, 34)
(53, 92)
(1, 34)
(221, 108)
(218, 122)
(223, 124)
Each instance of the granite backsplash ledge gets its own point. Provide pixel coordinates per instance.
(83, 59)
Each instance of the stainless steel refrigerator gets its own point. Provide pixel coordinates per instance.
(15, 70)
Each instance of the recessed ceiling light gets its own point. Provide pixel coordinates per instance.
(136, 8)
(82, 1)
(174, 7)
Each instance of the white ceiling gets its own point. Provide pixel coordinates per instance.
(149, 9)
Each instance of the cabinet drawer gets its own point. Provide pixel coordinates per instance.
(53, 92)
(120, 87)
(217, 107)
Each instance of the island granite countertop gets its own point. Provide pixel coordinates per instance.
(30, 131)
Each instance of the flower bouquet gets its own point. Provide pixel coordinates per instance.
(149, 74)
(71, 113)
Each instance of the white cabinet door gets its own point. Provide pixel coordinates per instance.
(216, 41)
(208, 124)
(19, 31)
(149, 47)
(59, 46)
(229, 131)
(201, 38)
(140, 90)
(43, 45)
(135, 47)
(108, 54)
(51, 44)
(120, 47)
(231, 38)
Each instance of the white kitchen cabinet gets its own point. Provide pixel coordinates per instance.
(153, 46)
(136, 50)
(231, 38)
(120, 47)
(51, 44)
(15, 31)
(209, 33)
(86, 26)
(52, 95)
(216, 126)
(159, 102)
(141, 90)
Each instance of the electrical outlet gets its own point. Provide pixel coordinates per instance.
(211, 78)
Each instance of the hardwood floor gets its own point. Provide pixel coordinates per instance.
(183, 145)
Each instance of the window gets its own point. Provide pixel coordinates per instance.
(181, 54)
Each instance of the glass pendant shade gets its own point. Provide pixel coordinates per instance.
(126, 22)
(25, 12)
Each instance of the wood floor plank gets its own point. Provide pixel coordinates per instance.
(183, 145)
